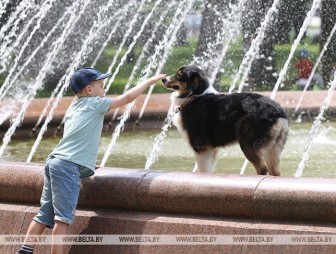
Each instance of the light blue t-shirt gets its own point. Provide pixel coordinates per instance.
(82, 131)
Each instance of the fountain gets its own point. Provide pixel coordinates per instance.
(143, 199)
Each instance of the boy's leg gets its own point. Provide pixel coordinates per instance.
(60, 228)
(65, 184)
(35, 228)
(45, 215)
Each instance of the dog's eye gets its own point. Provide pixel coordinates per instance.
(178, 75)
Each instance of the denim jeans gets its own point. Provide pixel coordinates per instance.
(60, 192)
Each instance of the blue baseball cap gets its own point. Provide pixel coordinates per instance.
(84, 76)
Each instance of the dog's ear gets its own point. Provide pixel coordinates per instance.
(194, 75)
(181, 68)
(197, 82)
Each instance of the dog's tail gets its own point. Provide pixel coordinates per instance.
(271, 153)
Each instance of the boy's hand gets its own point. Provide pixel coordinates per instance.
(156, 78)
(97, 166)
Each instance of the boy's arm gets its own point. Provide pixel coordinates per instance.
(134, 92)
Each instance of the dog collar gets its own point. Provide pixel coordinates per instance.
(209, 90)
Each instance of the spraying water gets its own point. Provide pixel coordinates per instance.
(127, 33)
(40, 15)
(315, 128)
(143, 53)
(39, 80)
(8, 30)
(120, 14)
(70, 10)
(158, 141)
(118, 17)
(165, 56)
(211, 58)
(157, 146)
(152, 62)
(3, 7)
(283, 71)
(254, 48)
(230, 26)
(130, 48)
(56, 90)
(325, 47)
(81, 56)
(7, 109)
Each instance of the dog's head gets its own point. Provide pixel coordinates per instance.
(188, 81)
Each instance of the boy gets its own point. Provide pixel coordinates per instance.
(75, 155)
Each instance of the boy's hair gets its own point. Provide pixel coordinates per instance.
(84, 76)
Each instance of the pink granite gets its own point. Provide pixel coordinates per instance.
(232, 196)
(136, 202)
(15, 218)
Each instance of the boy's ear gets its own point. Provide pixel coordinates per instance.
(87, 89)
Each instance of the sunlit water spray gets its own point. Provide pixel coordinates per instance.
(253, 51)
(9, 29)
(166, 54)
(118, 17)
(143, 54)
(231, 26)
(120, 14)
(325, 47)
(38, 82)
(283, 71)
(130, 47)
(303, 29)
(80, 56)
(315, 128)
(56, 47)
(121, 45)
(152, 63)
(58, 86)
(3, 7)
(212, 57)
(159, 139)
(39, 16)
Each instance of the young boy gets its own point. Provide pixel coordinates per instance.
(75, 155)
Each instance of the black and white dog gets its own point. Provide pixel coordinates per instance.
(210, 120)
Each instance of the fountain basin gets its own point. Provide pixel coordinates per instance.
(126, 201)
(237, 196)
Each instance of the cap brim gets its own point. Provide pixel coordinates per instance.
(103, 76)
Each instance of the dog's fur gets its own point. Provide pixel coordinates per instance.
(210, 120)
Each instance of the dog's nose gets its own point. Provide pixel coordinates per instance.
(164, 80)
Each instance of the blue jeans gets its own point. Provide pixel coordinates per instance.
(60, 192)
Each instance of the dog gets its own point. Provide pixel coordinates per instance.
(209, 121)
